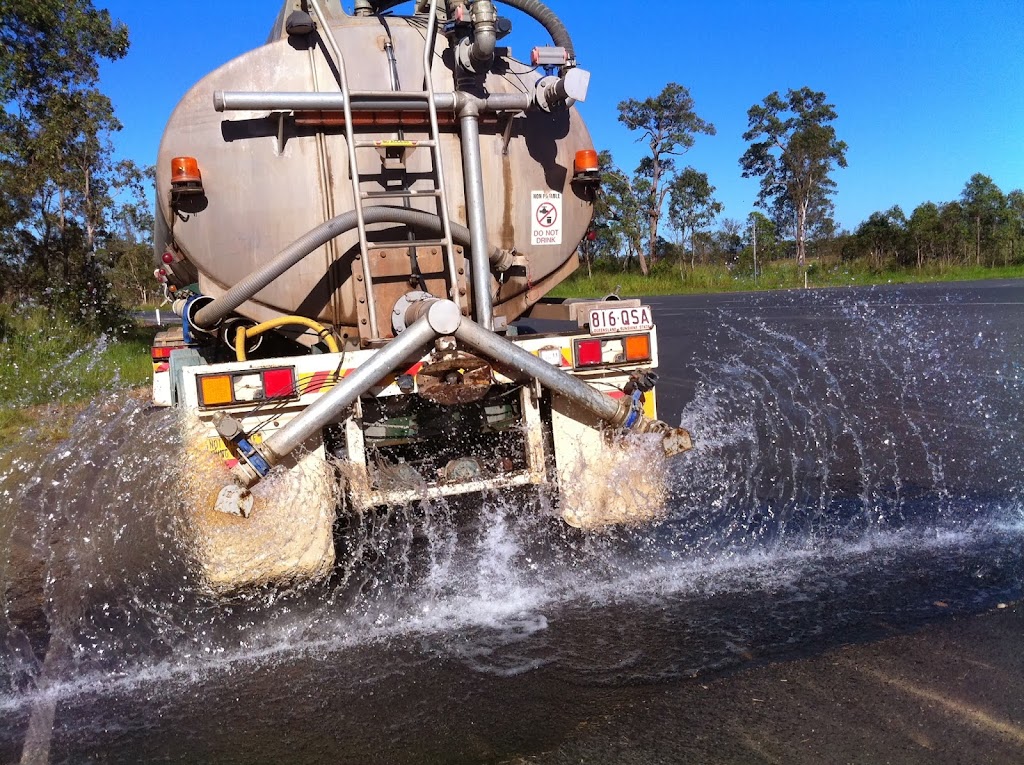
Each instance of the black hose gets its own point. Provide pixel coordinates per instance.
(534, 8)
(209, 315)
(548, 19)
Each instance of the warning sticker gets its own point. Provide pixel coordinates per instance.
(546, 222)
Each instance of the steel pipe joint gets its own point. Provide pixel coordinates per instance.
(444, 317)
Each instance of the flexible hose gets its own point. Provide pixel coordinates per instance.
(244, 333)
(548, 20)
(209, 315)
(534, 8)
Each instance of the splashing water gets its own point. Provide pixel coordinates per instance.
(873, 419)
(833, 463)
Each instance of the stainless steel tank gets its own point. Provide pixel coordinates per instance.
(269, 177)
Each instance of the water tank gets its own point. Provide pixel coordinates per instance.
(268, 177)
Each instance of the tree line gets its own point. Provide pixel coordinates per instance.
(984, 227)
(665, 213)
(75, 222)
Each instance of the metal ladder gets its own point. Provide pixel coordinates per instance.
(445, 242)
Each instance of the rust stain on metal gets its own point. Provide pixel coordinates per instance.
(508, 230)
(390, 118)
(396, 262)
(456, 378)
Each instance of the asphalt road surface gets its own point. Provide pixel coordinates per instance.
(836, 582)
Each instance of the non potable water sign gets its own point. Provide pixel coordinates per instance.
(546, 217)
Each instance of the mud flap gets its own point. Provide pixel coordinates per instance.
(603, 480)
(286, 540)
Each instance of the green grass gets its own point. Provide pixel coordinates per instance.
(49, 360)
(669, 280)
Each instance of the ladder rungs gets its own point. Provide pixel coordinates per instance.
(402, 194)
(407, 243)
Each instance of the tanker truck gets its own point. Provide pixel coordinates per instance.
(350, 220)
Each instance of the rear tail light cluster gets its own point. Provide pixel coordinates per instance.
(163, 352)
(596, 351)
(245, 387)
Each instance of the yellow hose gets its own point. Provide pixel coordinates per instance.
(244, 334)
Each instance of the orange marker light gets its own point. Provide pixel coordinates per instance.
(586, 161)
(215, 390)
(638, 348)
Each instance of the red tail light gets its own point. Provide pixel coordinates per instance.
(588, 352)
(278, 383)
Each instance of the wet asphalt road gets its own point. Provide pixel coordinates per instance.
(782, 635)
(951, 691)
(684, 320)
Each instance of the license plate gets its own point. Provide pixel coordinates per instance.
(606, 320)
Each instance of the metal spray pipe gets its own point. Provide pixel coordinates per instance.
(472, 171)
(478, 55)
(442, 317)
(615, 412)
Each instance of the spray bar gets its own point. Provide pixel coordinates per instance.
(231, 101)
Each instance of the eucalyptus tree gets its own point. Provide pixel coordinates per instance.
(985, 206)
(618, 213)
(128, 246)
(57, 177)
(1015, 223)
(764, 233)
(669, 125)
(794, 150)
(924, 227)
(692, 206)
(883, 237)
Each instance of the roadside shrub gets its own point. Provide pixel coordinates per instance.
(47, 358)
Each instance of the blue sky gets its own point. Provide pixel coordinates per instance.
(927, 92)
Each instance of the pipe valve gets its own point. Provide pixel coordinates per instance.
(556, 92)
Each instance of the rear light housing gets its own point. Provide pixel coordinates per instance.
(277, 384)
(163, 352)
(637, 347)
(588, 352)
(552, 355)
(611, 351)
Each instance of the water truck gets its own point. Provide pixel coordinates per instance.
(349, 221)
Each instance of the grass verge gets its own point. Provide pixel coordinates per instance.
(51, 362)
(779, 275)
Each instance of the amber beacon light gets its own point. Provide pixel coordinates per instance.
(185, 175)
(586, 161)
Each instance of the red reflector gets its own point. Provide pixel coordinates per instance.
(162, 353)
(588, 352)
(278, 383)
